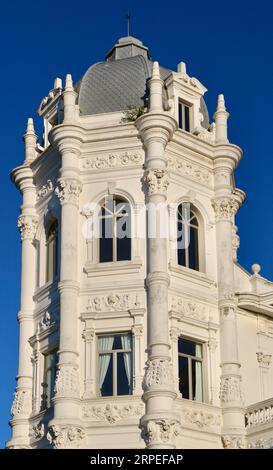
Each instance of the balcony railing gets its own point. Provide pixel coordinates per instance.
(259, 414)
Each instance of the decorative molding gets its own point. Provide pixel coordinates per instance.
(113, 161)
(230, 389)
(188, 169)
(235, 242)
(160, 431)
(112, 303)
(261, 444)
(27, 225)
(189, 308)
(45, 190)
(158, 372)
(199, 418)
(157, 181)
(88, 334)
(225, 208)
(62, 437)
(37, 431)
(137, 331)
(264, 360)
(112, 412)
(68, 190)
(22, 403)
(67, 381)
(233, 442)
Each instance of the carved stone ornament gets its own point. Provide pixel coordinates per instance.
(233, 442)
(67, 381)
(261, 444)
(189, 308)
(22, 403)
(230, 390)
(45, 190)
(158, 373)
(190, 170)
(235, 242)
(200, 419)
(161, 431)
(27, 225)
(112, 412)
(46, 322)
(113, 161)
(112, 303)
(264, 360)
(157, 181)
(68, 190)
(62, 437)
(37, 431)
(225, 208)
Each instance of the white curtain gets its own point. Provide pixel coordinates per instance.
(126, 344)
(198, 374)
(105, 344)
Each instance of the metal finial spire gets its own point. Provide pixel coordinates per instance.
(128, 19)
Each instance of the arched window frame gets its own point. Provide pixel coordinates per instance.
(113, 215)
(201, 241)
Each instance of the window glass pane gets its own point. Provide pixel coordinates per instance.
(106, 240)
(124, 373)
(183, 367)
(181, 257)
(193, 249)
(187, 118)
(185, 346)
(51, 360)
(106, 365)
(180, 115)
(197, 386)
(123, 249)
(117, 342)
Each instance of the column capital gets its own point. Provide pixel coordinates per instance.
(225, 208)
(156, 181)
(27, 225)
(65, 437)
(161, 433)
(68, 190)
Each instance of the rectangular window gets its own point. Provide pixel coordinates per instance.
(190, 365)
(115, 365)
(50, 363)
(183, 116)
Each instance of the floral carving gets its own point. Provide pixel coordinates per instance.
(264, 360)
(225, 208)
(189, 308)
(157, 181)
(161, 431)
(46, 189)
(67, 381)
(158, 372)
(113, 161)
(68, 190)
(233, 442)
(188, 169)
(200, 419)
(235, 242)
(261, 444)
(230, 389)
(112, 413)
(37, 431)
(112, 302)
(22, 403)
(27, 225)
(65, 437)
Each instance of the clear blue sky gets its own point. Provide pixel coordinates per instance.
(227, 45)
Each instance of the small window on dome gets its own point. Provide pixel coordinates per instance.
(184, 112)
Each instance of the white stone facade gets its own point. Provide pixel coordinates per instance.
(151, 296)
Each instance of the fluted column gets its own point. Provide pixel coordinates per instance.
(225, 204)
(67, 391)
(160, 422)
(27, 224)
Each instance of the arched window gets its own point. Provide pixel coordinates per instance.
(115, 229)
(187, 237)
(52, 251)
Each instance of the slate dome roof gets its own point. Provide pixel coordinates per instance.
(121, 80)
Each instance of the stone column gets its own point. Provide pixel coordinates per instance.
(137, 332)
(160, 422)
(225, 204)
(27, 224)
(66, 138)
(174, 335)
(89, 336)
